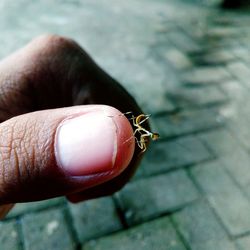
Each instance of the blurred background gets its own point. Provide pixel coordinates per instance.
(187, 64)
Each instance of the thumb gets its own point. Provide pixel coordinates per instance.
(58, 152)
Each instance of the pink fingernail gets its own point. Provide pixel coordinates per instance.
(86, 144)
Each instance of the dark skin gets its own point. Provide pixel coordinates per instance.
(53, 72)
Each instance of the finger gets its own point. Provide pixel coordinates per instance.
(37, 76)
(62, 151)
(53, 71)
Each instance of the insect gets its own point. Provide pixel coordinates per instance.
(144, 134)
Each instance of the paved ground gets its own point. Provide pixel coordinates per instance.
(188, 65)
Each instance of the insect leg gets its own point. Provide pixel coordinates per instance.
(139, 143)
(145, 119)
(143, 144)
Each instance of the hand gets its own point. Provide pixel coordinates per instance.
(83, 151)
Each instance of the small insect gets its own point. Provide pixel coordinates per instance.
(144, 134)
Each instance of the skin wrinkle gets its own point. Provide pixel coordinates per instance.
(24, 166)
(35, 168)
(17, 150)
(32, 160)
(42, 148)
(21, 147)
(9, 136)
(6, 160)
(18, 147)
(16, 165)
(36, 171)
(2, 173)
(25, 147)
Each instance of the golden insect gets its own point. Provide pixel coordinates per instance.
(144, 134)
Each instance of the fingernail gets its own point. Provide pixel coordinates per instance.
(86, 144)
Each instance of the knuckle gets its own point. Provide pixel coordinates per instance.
(54, 43)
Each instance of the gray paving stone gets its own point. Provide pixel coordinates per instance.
(178, 59)
(148, 198)
(197, 97)
(218, 56)
(150, 86)
(90, 220)
(238, 165)
(206, 75)
(220, 31)
(182, 41)
(218, 43)
(242, 108)
(243, 243)
(23, 208)
(201, 229)
(227, 199)
(153, 103)
(241, 52)
(223, 20)
(46, 230)
(239, 126)
(247, 191)
(240, 71)
(187, 122)
(220, 141)
(163, 156)
(234, 90)
(140, 172)
(158, 234)
(9, 238)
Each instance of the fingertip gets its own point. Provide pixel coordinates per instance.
(100, 141)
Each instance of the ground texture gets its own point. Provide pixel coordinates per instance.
(187, 64)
